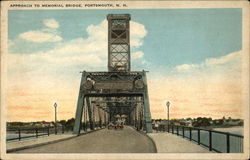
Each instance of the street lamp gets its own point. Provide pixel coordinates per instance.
(168, 104)
(55, 105)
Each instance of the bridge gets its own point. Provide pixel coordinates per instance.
(127, 140)
(119, 98)
(118, 95)
(102, 141)
(166, 139)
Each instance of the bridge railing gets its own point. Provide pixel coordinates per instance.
(13, 134)
(221, 142)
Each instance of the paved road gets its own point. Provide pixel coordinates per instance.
(127, 140)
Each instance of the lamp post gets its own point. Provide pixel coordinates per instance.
(55, 105)
(168, 104)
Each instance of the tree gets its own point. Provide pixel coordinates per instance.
(63, 122)
(202, 121)
(70, 122)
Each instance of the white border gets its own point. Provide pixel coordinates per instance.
(132, 5)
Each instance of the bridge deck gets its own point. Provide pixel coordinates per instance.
(127, 140)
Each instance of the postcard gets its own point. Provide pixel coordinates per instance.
(124, 80)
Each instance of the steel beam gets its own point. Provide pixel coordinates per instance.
(147, 114)
(114, 94)
(132, 101)
(80, 105)
(91, 124)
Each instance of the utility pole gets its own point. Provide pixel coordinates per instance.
(168, 104)
(55, 105)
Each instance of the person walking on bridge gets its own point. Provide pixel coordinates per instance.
(156, 126)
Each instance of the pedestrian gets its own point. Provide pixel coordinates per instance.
(156, 126)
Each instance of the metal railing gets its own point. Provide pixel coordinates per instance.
(221, 142)
(25, 133)
(28, 132)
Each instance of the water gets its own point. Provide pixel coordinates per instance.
(26, 135)
(219, 140)
(236, 143)
(11, 136)
(233, 130)
(23, 136)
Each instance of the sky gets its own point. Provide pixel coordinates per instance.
(193, 57)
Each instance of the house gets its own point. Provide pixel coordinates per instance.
(217, 122)
(232, 122)
(189, 123)
(59, 124)
(46, 124)
(177, 123)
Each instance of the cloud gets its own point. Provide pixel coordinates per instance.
(137, 32)
(51, 23)
(79, 53)
(40, 37)
(212, 88)
(229, 60)
(236, 56)
(137, 55)
(185, 67)
(98, 32)
(43, 35)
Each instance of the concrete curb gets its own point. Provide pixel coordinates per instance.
(145, 134)
(151, 140)
(50, 142)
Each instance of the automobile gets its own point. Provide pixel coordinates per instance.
(110, 125)
(116, 125)
(121, 125)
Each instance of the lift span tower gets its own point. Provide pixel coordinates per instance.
(117, 92)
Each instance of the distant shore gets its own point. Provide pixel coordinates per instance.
(231, 129)
(221, 126)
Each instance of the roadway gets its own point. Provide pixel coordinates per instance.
(126, 140)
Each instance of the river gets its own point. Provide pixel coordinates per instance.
(234, 130)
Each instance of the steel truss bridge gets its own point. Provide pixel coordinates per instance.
(117, 94)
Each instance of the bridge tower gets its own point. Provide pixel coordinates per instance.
(118, 92)
(118, 42)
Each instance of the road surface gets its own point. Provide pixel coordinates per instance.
(127, 140)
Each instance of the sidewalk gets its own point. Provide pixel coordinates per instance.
(169, 143)
(13, 146)
(29, 143)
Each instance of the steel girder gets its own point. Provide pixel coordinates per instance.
(85, 93)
